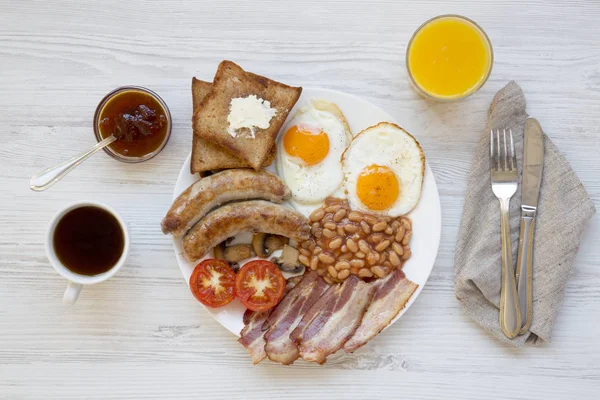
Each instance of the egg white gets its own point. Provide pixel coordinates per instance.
(311, 184)
(386, 144)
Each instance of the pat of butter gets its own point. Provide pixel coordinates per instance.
(249, 112)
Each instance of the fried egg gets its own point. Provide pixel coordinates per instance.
(383, 170)
(310, 151)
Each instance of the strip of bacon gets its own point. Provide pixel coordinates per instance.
(251, 336)
(332, 320)
(286, 316)
(391, 295)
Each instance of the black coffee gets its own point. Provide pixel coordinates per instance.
(88, 240)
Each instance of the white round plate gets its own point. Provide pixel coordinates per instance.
(426, 217)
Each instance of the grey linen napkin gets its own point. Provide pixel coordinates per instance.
(563, 210)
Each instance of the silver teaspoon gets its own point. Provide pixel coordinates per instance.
(50, 176)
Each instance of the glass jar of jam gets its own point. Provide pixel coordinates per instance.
(138, 118)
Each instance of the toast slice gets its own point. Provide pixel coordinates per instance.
(210, 119)
(207, 156)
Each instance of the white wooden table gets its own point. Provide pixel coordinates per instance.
(141, 335)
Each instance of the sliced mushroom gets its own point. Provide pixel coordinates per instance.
(264, 245)
(258, 244)
(288, 261)
(238, 252)
(218, 252)
(275, 242)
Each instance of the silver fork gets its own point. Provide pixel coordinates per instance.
(503, 171)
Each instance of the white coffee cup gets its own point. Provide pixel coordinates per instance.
(77, 281)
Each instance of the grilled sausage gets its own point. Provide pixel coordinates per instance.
(212, 191)
(231, 219)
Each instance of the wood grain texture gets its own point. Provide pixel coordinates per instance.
(141, 335)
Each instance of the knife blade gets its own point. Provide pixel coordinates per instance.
(533, 165)
(533, 162)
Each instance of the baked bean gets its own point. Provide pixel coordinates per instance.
(343, 274)
(317, 250)
(355, 216)
(314, 262)
(333, 208)
(328, 233)
(400, 234)
(304, 260)
(335, 243)
(328, 279)
(382, 246)
(326, 258)
(342, 265)
(389, 230)
(364, 246)
(379, 226)
(332, 226)
(376, 237)
(395, 224)
(345, 256)
(365, 273)
(340, 231)
(371, 220)
(356, 263)
(332, 272)
(305, 244)
(379, 271)
(354, 270)
(406, 255)
(393, 257)
(360, 254)
(305, 252)
(372, 258)
(315, 227)
(406, 239)
(406, 223)
(317, 215)
(351, 228)
(397, 248)
(339, 215)
(312, 246)
(352, 246)
(365, 227)
(328, 217)
(387, 264)
(344, 248)
(321, 271)
(382, 258)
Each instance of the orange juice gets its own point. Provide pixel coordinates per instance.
(449, 57)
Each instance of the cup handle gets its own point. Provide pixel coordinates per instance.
(72, 293)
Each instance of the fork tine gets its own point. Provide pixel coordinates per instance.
(498, 150)
(513, 160)
(492, 162)
(505, 155)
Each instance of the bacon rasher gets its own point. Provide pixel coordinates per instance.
(251, 336)
(286, 316)
(391, 295)
(332, 320)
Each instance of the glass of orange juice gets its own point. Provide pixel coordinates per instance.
(449, 58)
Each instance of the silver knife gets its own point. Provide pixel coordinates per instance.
(533, 163)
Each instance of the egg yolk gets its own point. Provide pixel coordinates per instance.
(377, 187)
(310, 147)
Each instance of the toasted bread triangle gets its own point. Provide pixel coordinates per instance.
(208, 156)
(231, 81)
